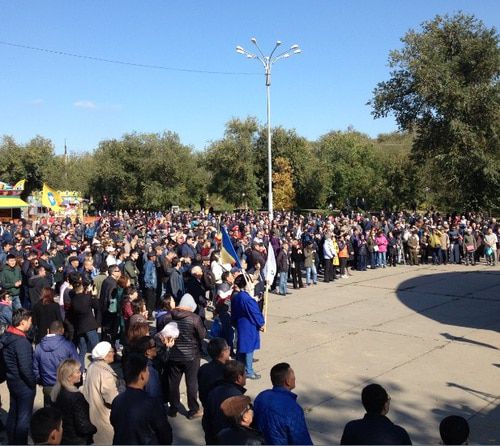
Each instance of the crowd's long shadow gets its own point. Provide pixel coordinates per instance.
(327, 419)
(465, 299)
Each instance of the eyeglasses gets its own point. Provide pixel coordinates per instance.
(249, 407)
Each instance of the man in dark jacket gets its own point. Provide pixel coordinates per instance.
(185, 356)
(374, 427)
(196, 288)
(278, 415)
(11, 280)
(239, 411)
(36, 284)
(17, 360)
(52, 351)
(136, 417)
(212, 372)
(175, 285)
(233, 384)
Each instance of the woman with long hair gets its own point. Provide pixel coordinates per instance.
(45, 311)
(78, 428)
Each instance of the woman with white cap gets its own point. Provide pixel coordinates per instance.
(100, 388)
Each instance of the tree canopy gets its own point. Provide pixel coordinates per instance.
(445, 88)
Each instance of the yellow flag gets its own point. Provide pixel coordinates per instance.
(51, 198)
(19, 185)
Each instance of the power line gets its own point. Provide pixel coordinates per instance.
(121, 62)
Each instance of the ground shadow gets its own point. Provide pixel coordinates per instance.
(465, 299)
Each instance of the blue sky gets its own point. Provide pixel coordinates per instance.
(345, 51)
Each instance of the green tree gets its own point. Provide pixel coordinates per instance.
(230, 163)
(352, 169)
(299, 153)
(444, 86)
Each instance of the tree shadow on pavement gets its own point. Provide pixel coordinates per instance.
(466, 299)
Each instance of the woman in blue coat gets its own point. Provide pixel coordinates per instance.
(248, 320)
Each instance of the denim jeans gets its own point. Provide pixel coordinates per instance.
(247, 359)
(283, 282)
(21, 408)
(309, 270)
(86, 343)
(381, 258)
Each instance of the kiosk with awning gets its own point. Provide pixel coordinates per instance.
(11, 204)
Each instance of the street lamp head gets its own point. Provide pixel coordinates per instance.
(294, 47)
(297, 51)
(278, 42)
(240, 50)
(250, 56)
(253, 40)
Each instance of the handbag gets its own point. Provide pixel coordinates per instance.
(375, 248)
(470, 248)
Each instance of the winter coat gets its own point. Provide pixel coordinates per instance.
(282, 261)
(43, 316)
(198, 291)
(175, 286)
(100, 389)
(248, 320)
(150, 278)
(80, 313)
(208, 375)
(381, 242)
(374, 429)
(5, 315)
(17, 357)
(280, 418)
(240, 435)
(36, 284)
(8, 277)
(77, 428)
(309, 254)
(214, 420)
(187, 346)
(139, 419)
(52, 350)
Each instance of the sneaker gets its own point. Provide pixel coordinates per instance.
(254, 376)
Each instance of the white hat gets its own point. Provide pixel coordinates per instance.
(170, 330)
(101, 350)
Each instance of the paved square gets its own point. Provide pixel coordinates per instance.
(430, 335)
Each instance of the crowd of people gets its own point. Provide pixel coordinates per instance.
(110, 314)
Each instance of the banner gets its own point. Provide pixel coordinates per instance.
(270, 267)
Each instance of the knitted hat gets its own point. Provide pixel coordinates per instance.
(101, 350)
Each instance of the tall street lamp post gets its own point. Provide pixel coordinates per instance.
(267, 62)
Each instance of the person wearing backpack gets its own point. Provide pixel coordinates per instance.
(17, 360)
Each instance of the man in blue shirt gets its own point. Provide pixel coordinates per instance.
(277, 414)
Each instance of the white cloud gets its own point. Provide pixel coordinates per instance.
(85, 104)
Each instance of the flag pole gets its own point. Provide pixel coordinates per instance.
(266, 304)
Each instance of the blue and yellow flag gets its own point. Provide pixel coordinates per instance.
(51, 198)
(227, 252)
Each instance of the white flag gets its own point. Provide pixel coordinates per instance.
(270, 268)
